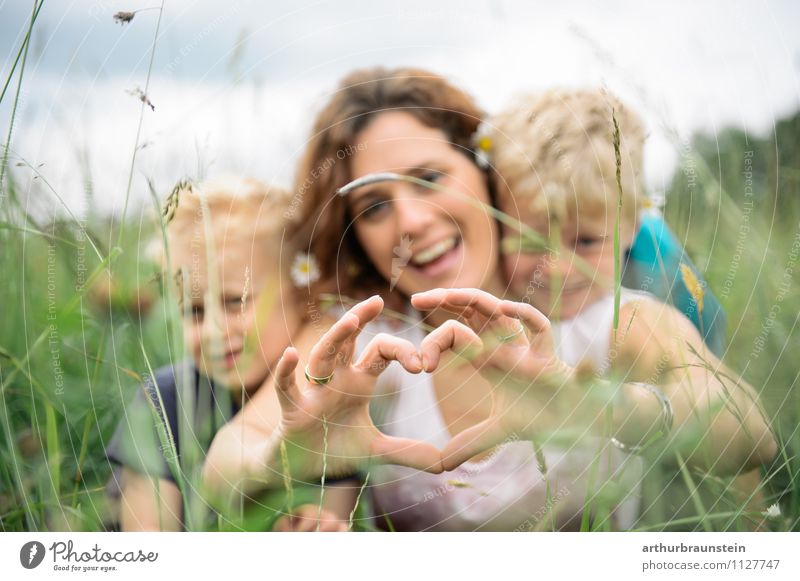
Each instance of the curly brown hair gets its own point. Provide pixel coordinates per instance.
(321, 217)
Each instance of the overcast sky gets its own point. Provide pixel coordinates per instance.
(235, 83)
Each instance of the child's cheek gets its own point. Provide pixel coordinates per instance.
(518, 269)
(247, 327)
(604, 264)
(193, 337)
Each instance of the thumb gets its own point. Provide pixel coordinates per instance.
(407, 452)
(285, 381)
(473, 441)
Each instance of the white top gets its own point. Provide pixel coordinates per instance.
(508, 489)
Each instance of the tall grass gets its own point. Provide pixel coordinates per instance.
(735, 204)
(61, 400)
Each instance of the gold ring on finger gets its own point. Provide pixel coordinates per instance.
(509, 338)
(317, 380)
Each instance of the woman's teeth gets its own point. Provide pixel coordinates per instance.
(434, 252)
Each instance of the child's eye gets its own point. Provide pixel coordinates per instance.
(196, 312)
(588, 241)
(233, 304)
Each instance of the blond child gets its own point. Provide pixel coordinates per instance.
(223, 252)
(557, 162)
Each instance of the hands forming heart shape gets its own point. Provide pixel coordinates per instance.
(326, 424)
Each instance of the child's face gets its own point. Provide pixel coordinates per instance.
(553, 282)
(235, 342)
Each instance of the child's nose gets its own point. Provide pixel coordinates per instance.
(557, 264)
(213, 324)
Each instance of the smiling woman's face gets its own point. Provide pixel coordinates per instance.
(417, 238)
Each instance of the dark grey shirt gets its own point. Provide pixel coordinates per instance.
(171, 421)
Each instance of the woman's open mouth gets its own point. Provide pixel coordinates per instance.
(438, 258)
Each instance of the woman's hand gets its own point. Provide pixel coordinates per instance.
(325, 424)
(516, 337)
(511, 345)
(309, 518)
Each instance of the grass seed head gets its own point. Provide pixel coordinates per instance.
(124, 17)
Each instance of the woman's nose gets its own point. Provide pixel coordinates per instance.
(414, 215)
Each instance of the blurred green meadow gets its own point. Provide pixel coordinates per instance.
(86, 316)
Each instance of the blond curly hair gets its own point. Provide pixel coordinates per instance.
(555, 155)
(240, 210)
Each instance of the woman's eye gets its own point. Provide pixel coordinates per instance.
(430, 176)
(374, 210)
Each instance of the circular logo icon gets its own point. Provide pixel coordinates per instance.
(31, 554)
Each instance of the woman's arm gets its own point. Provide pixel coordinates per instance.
(149, 504)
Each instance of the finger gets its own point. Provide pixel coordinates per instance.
(533, 319)
(302, 519)
(309, 518)
(283, 524)
(406, 452)
(367, 310)
(450, 336)
(471, 442)
(496, 316)
(330, 526)
(285, 382)
(457, 299)
(290, 523)
(323, 357)
(306, 511)
(337, 345)
(383, 349)
(428, 300)
(481, 310)
(306, 524)
(438, 299)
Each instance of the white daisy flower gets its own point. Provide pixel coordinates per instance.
(482, 144)
(304, 270)
(654, 202)
(774, 511)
